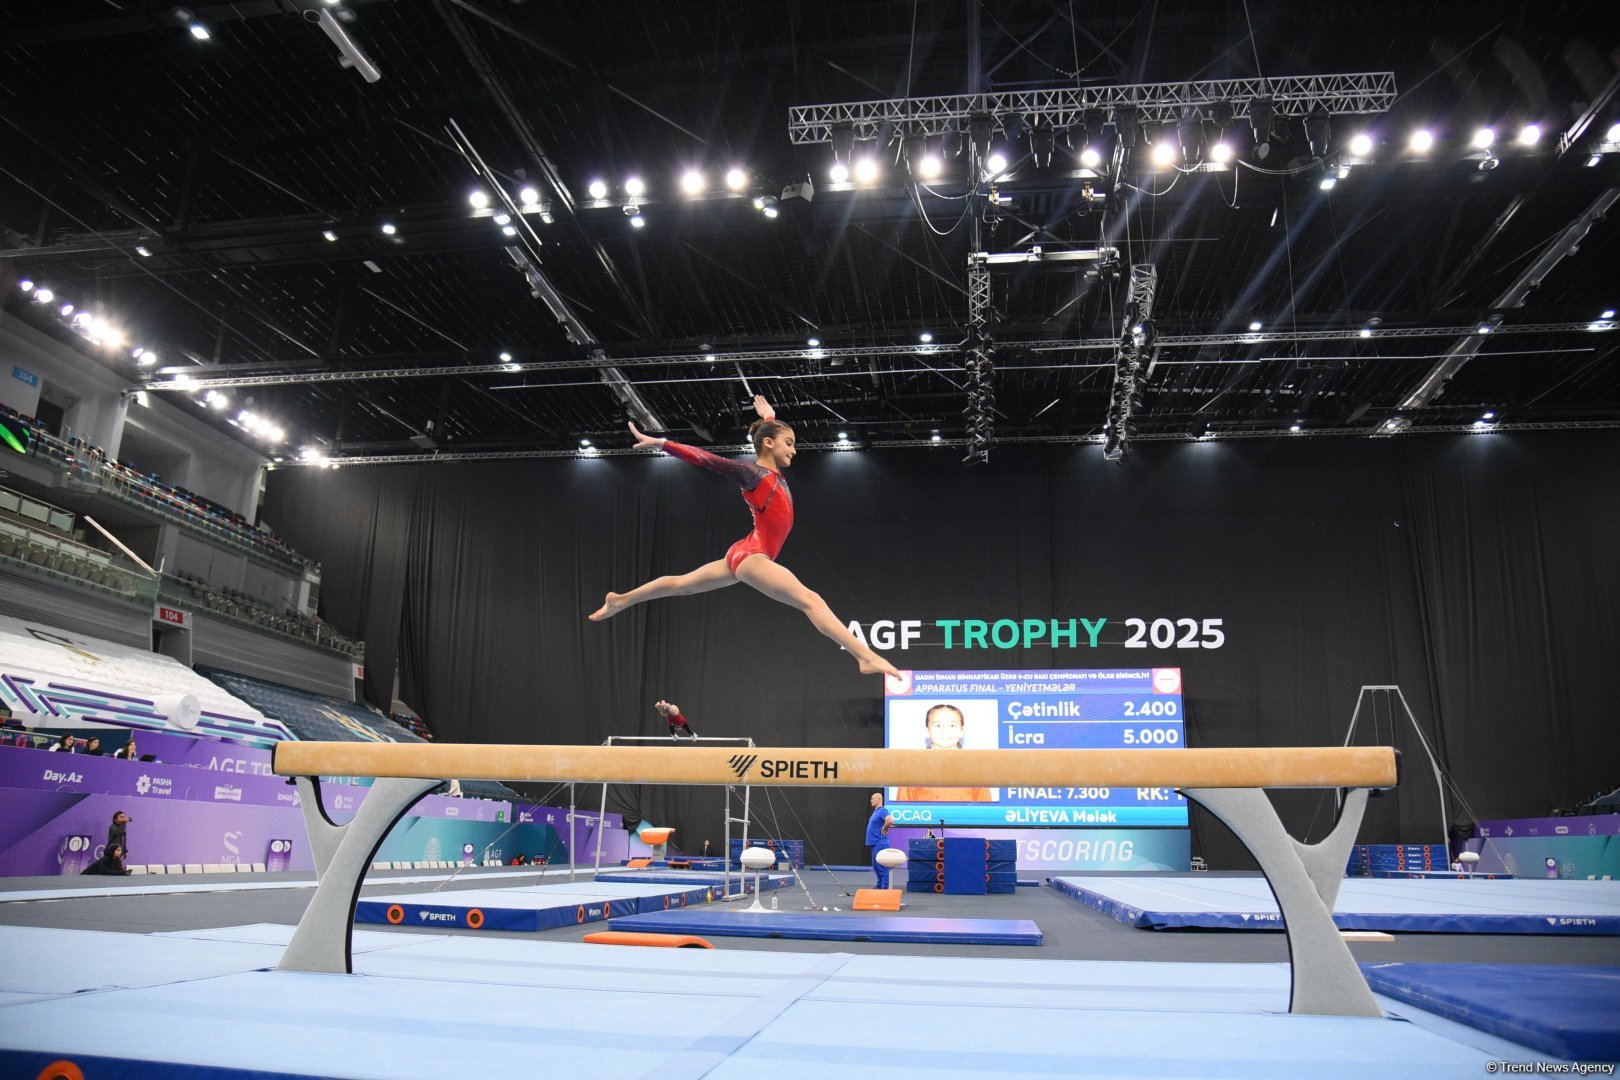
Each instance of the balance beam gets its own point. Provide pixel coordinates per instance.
(1230, 783)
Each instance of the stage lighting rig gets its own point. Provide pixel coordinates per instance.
(1130, 359)
(1318, 130)
(353, 56)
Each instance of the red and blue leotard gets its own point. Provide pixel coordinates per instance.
(765, 492)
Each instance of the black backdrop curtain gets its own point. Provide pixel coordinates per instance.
(1480, 574)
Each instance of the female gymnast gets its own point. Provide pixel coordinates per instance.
(752, 559)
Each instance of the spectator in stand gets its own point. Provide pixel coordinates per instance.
(111, 862)
(116, 831)
(127, 751)
(93, 747)
(678, 724)
(65, 744)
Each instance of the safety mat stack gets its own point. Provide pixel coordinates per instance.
(964, 866)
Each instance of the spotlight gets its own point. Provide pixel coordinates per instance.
(1254, 326)
(692, 182)
(1489, 416)
(1366, 331)
(143, 251)
(634, 188)
(1361, 144)
(508, 230)
(1163, 154)
(1328, 183)
(147, 358)
(1594, 160)
(769, 206)
(1042, 141)
(866, 170)
(1422, 140)
(637, 221)
(843, 143)
(1489, 162)
(1262, 114)
(1090, 157)
(1614, 134)
(528, 196)
(503, 219)
(1608, 313)
(200, 32)
(598, 190)
(1295, 427)
(838, 173)
(935, 437)
(331, 236)
(479, 199)
(1484, 137)
(925, 337)
(25, 285)
(388, 228)
(996, 163)
(1220, 153)
(43, 296)
(736, 179)
(1190, 133)
(843, 436)
(1530, 134)
(506, 358)
(66, 310)
(930, 166)
(814, 342)
(1484, 328)
(1128, 126)
(1318, 129)
(584, 444)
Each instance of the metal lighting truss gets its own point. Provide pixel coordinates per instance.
(1290, 95)
(1054, 439)
(979, 367)
(1135, 343)
(851, 352)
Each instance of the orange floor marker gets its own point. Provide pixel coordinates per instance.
(665, 941)
(876, 900)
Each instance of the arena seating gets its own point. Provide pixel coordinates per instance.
(191, 592)
(90, 464)
(40, 536)
(320, 718)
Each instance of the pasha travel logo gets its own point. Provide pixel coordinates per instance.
(143, 785)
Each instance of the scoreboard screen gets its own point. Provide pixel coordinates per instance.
(1091, 709)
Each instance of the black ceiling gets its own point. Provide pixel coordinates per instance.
(228, 158)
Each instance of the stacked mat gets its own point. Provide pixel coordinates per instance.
(1392, 860)
(962, 866)
(790, 850)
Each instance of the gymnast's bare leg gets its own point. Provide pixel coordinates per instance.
(706, 578)
(781, 584)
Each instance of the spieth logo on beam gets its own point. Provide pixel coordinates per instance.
(783, 767)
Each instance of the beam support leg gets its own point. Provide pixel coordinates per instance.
(1305, 880)
(343, 853)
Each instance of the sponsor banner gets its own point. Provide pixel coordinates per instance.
(1585, 825)
(1047, 851)
(557, 817)
(1566, 857)
(45, 770)
(40, 827)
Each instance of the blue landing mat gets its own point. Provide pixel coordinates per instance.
(829, 927)
(537, 907)
(1569, 1012)
(468, 1005)
(697, 877)
(1475, 906)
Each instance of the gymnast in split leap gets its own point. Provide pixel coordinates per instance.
(752, 559)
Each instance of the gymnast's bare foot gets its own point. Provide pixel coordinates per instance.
(876, 665)
(610, 607)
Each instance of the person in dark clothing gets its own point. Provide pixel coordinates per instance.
(115, 832)
(111, 862)
(65, 744)
(93, 747)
